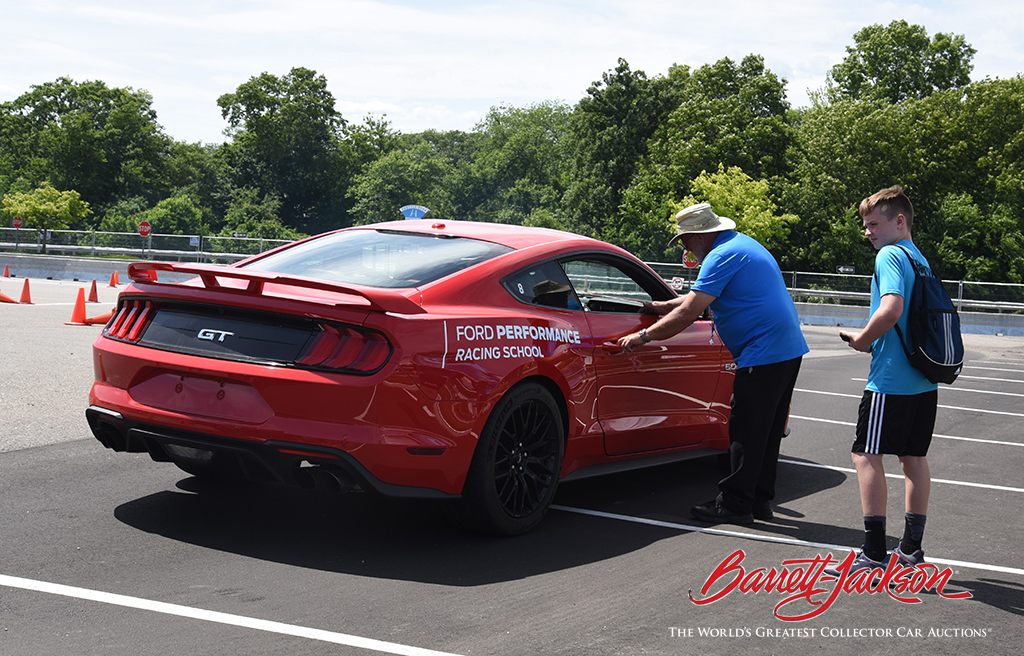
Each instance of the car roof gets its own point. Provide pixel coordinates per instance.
(513, 236)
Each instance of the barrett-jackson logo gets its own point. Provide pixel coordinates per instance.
(805, 580)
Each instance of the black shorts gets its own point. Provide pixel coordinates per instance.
(897, 424)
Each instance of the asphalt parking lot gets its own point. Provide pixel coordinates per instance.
(104, 553)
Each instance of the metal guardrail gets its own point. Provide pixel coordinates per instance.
(856, 289)
(199, 248)
(961, 303)
(803, 286)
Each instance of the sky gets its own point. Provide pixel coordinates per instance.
(442, 64)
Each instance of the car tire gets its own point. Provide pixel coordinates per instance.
(516, 466)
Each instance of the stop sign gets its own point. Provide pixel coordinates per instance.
(690, 260)
(145, 228)
(18, 222)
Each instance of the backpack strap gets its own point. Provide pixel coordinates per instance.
(919, 270)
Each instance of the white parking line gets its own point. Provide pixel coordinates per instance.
(945, 437)
(1012, 363)
(960, 389)
(946, 407)
(214, 616)
(999, 380)
(773, 539)
(1012, 371)
(900, 476)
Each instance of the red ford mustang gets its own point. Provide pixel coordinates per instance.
(450, 360)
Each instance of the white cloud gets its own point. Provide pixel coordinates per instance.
(443, 64)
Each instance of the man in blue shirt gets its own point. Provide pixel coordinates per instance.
(897, 411)
(753, 312)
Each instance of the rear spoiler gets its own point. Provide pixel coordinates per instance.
(381, 300)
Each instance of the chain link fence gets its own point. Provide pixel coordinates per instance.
(198, 248)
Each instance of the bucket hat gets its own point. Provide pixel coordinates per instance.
(699, 219)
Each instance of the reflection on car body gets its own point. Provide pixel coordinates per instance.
(465, 361)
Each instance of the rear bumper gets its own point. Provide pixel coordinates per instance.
(381, 424)
(273, 461)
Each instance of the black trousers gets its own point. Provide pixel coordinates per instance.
(760, 408)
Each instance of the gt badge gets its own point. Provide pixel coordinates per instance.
(211, 335)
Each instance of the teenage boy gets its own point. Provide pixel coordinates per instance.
(897, 411)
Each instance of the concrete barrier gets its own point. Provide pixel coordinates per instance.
(58, 267)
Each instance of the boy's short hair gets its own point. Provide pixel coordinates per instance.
(890, 202)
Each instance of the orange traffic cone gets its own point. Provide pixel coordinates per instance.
(78, 314)
(26, 295)
(7, 272)
(4, 298)
(99, 318)
(93, 298)
(113, 279)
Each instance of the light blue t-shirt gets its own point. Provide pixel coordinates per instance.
(891, 371)
(753, 310)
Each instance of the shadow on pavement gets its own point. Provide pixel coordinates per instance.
(366, 535)
(1004, 595)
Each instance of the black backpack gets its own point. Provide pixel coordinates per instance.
(934, 328)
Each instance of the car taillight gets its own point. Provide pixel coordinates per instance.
(346, 348)
(129, 321)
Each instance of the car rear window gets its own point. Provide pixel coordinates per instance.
(380, 258)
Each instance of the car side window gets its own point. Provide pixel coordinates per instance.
(544, 284)
(602, 286)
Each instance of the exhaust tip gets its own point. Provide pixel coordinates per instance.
(319, 477)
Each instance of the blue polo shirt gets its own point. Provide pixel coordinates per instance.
(891, 371)
(753, 310)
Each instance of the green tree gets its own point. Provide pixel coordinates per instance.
(839, 241)
(46, 208)
(518, 167)
(608, 134)
(899, 61)
(730, 115)
(735, 194)
(843, 153)
(973, 244)
(286, 141)
(367, 142)
(123, 216)
(201, 172)
(257, 216)
(955, 142)
(103, 142)
(402, 177)
(987, 141)
(510, 169)
(176, 215)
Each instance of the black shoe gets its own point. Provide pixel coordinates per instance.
(713, 511)
(763, 511)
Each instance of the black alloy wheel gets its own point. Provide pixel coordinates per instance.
(516, 467)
